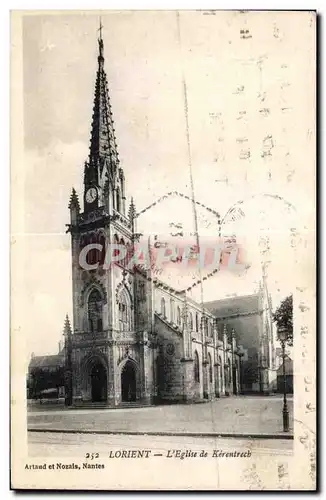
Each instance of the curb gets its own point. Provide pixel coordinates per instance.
(171, 434)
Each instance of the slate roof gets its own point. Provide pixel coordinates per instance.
(245, 304)
(53, 361)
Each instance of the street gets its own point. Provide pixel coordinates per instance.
(234, 415)
(47, 444)
(69, 438)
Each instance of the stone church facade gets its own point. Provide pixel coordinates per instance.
(135, 339)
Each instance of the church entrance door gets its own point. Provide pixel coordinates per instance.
(99, 382)
(128, 382)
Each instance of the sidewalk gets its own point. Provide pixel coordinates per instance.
(227, 417)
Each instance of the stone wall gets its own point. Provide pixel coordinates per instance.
(170, 369)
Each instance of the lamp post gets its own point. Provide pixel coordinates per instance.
(283, 336)
(240, 355)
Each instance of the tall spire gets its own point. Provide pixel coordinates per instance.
(103, 147)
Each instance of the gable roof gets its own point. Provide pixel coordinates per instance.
(246, 304)
(53, 361)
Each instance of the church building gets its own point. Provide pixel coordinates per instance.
(134, 339)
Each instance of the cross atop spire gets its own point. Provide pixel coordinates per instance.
(100, 28)
(100, 40)
(103, 147)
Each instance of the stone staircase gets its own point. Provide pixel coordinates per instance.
(104, 405)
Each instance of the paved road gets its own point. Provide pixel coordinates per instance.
(241, 415)
(77, 445)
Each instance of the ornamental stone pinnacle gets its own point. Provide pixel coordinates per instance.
(225, 333)
(67, 328)
(132, 210)
(74, 202)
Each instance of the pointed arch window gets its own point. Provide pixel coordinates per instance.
(124, 312)
(142, 291)
(130, 252)
(95, 311)
(90, 254)
(122, 182)
(163, 311)
(123, 261)
(210, 368)
(205, 322)
(178, 316)
(102, 252)
(197, 322)
(118, 200)
(94, 255)
(115, 252)
(191, 323)
(196, 367)
(172, 310)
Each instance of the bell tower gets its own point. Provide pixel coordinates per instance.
(107, 349)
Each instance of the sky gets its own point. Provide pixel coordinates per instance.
(248, 80)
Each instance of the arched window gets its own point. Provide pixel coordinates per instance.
(102, 252)
(123, 255)
(196, 367)
(163, 312)
(141, 291)
(191, 325)
(118, 198)
(197, 322)
(115, 252)
(205, 321)
(91, 254)
(129, 254)
(172, 310)
(95, 309)
(82, 244)
(210, 368)
(178, 316)
(123, 306)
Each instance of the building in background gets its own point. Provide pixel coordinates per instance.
(288, 376)
(46, 376)
(250, 317)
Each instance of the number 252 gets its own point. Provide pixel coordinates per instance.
(92, 455)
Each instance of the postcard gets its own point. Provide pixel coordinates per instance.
(163, 276)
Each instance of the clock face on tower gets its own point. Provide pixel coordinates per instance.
(91, 195)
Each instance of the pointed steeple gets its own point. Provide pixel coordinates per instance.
(103, 147)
